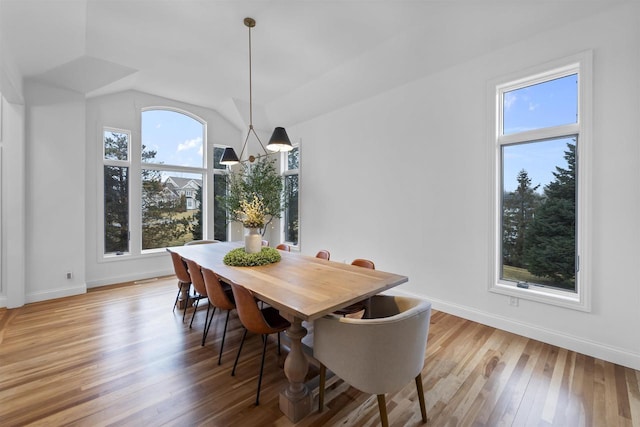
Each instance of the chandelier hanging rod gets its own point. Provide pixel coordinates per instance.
(279, 139)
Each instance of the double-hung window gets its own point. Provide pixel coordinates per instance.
(291, 175)
(541, 141)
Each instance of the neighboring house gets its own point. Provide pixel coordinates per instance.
(186, 187)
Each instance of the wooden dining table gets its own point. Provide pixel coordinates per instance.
(302, 288)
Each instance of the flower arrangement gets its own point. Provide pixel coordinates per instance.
(252, 214)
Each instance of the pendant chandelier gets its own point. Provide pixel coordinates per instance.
(279, 139)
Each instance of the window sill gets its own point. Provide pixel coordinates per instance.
(128, 256)
(571, 300)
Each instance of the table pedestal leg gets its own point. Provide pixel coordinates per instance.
(295, 399)
(184, 296)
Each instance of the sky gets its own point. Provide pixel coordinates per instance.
(176, 137)
(547, 104)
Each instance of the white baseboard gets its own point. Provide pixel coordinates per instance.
(3, 301)
(55, 293)
(581, 345)
(128, 278)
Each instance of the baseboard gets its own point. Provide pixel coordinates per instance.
(128, 278)
(581, 345)
(55, 293)
(3, 301)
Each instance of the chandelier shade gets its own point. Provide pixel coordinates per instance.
(279, 140)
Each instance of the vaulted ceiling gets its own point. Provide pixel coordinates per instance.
(309, 57)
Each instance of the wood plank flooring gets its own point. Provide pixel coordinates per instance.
(119, 356)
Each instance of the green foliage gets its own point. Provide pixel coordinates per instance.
(550, 240)
(219, 212)
(196, 223)
(518, 208)
(259, 179)
(162, 222)
(239, 258)
(116, 196)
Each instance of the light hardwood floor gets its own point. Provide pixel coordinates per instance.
(119, 356)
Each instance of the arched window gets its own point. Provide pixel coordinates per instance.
(156, 188)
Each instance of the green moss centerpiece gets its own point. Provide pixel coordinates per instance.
(240, 258)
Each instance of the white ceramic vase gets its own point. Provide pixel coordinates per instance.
(252, 241)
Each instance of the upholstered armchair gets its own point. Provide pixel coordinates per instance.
(379, 354)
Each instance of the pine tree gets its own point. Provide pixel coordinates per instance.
(550, 240)
(518, 211)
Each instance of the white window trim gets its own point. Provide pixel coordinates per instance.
(225, 171)
(135, 191)
(581, 63)
(118, 163)
(286, 172)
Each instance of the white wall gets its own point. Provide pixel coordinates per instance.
(404, 179)
(122, 110)
(13, 205)
(55, 192)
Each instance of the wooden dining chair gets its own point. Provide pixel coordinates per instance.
(220, 296)
(200, 291)
(184, 280)
(284, 247)
(323, 254)
(263, 321)
(360, 305)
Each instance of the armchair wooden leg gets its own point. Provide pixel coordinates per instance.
(382, 406)
(423, 408)
(323, 378)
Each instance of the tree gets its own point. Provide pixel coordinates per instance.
(196, 225)
(116, 195)
(162, 224)
(220, 183)
(550, 241)
(518, 212)
(259, 179)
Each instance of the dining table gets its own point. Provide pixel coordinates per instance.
(302, 288)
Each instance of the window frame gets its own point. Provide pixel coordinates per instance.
(104, 162)
(580, 64)
(136, 238)
(284, 160)
(136, 166)
(223, 171)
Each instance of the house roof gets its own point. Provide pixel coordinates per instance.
(179, 182)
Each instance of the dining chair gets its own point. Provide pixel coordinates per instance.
(184, 280)
(323, 254)
(284, 247)
(377, 355)
(201, 242)
(200, 291)
(263, 321)
(359, 306)
(220, 296)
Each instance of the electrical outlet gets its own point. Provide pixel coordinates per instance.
(69, 275)
(513, 301)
